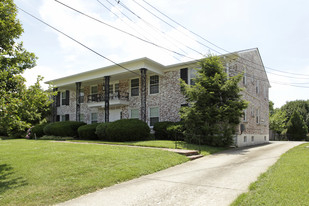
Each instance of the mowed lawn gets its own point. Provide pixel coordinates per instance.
(285, 183)
(43, 172)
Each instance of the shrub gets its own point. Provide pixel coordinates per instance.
(160, 129)
(88, 131)
(38, 130)
(101, 131)
(127, 130)
(64, 129)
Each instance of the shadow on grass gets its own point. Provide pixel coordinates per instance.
(7, 179)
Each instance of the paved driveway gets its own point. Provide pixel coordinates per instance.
(212, 180)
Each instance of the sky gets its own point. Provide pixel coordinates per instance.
(278, 28)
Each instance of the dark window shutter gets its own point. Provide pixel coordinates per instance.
(67, 117)
(184, 74)
(58, 118)
(67, 97)
(58, 99)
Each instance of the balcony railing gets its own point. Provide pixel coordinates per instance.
(112, 96)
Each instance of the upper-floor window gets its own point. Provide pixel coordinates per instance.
(81, 95)
(94, 90)
(244, 78)
(63, 98)
(134, 87)
(257, 117)
(257, 88)
(244, 117)
(193, 73)
(154, 84)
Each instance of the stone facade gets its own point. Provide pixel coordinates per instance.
(254, 125)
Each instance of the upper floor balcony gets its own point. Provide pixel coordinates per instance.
(115, 99)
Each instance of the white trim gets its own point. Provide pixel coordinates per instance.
(139, 86)
(149, 84)
(150, 113)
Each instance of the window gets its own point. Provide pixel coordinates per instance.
(264, 138)
(94, 118)
(64, 98)
(257, 117)
(265, 92)
(81, 95)
(117, 88)
(81, 117)
(94, 90)
(193, 73)
(244, 78)
(244, 117)
(257, 88)
(65, 117)
(252, 139)
(154, 116)
(134, 87)
(111, 89)
(245, 138)
(134, 114)
(154, 84)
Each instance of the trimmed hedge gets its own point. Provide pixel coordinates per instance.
(127, 130)
(160, 129)
(38, 130)
(101, 131)
(63, 129)
(88, 131)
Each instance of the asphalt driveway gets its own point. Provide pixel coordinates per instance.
(212, 180)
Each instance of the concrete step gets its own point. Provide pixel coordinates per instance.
(194, 157)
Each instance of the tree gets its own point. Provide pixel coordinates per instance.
(215, 104)
(301, 106)
(278, 121)
(20, 107)
(296, 127)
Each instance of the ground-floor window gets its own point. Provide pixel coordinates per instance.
(154, 115)
(81, 117)
(94, 118)
(134, 114)
(65, 117)
(245, 138)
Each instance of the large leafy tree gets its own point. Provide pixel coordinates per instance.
(215, 104)
(20, 107)
(296, 127)
(277, 121)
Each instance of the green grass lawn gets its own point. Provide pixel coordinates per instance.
(205, 150)
(285, 183)
(43, 172)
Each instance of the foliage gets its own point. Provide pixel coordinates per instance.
(101, 131)
(20, 107)
(301, 106)
(64, 129)
(47, 173)
(215, 104)
(127, 130)
(37, 130)
(285, 183)
(160, 129)
(296, 127)
(278, 121)
(88, 131)
(271, 108)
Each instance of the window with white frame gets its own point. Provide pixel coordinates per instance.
(154, 115)
(245, 138)
(94, 90)
(193, 73)
(134, 87)
(154, 84)
(81, 95)
(134, 114)
(94, 118)
(81, 117)
(62, 118)
(252, 138)
(257, 117)
(64, 98)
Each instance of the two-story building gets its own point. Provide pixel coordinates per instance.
(150, 91)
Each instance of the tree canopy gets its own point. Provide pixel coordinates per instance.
(215, 104)
(20, 107)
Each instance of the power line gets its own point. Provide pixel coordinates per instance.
(125, 32)
(97, 53)
(203, 37)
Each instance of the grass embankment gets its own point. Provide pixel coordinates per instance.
(205, 150)
(285, 183)
(43, 173)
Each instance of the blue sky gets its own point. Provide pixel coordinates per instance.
(278, 28)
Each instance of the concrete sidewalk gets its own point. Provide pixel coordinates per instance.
(212, 180)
